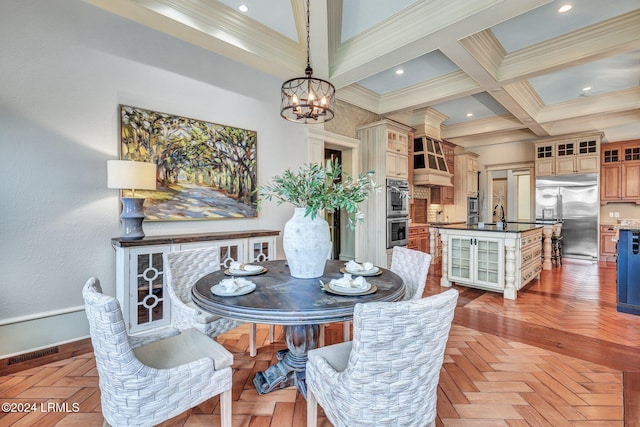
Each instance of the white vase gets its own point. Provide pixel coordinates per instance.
(306, 243)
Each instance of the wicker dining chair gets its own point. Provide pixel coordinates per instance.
(388, 375)
(413, 267)
(155, 382)
(183, 269)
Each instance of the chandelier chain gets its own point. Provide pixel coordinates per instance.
(308, 37)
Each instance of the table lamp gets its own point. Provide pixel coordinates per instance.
(130, 175)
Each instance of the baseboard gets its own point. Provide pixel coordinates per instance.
(43, 356)
(42, 330)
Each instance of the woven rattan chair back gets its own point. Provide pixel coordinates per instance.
(132, 393)
(184, 268)
(391, 377)
(413, 267)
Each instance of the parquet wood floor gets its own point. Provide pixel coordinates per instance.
(559, 355)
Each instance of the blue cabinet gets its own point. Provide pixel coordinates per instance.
(629, 271)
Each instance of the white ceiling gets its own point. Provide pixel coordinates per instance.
(518, 66)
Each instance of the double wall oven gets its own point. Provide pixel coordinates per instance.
(397, 212)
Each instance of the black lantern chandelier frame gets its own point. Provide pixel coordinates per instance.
(307, 99)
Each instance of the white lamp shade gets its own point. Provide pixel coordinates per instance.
(131, 175)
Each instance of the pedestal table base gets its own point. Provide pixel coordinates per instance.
(291, 368)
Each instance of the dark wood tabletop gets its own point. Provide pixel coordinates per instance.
(284, 300)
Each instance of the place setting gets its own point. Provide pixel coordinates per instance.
(347, 285)
(241, 269)
(233, 287)
(361, 269)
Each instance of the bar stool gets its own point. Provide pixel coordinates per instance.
(556, 250)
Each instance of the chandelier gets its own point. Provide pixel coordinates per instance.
(307, 99)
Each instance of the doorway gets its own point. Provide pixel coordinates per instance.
(346, 240)
(499, 200)
(333, 218)
(514, 182)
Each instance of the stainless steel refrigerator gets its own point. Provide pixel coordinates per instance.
(574, 199)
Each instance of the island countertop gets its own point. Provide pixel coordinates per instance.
(510, 227)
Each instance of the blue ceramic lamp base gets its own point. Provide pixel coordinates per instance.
(132, 217)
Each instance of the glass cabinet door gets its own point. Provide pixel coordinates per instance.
(488, 254)
(148, 304)
(460, 266)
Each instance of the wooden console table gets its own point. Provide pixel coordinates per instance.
(140, 280)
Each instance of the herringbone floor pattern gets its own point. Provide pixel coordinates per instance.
(508, 363)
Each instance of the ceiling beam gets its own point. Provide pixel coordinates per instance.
(214, 26)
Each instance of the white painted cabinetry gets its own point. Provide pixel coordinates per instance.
(477, 260)
(397, 155)
(578, 154)
(383, 149)
(495, 260)
(140, 278)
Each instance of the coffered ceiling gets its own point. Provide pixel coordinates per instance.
(494, 70)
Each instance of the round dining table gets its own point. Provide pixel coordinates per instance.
(300, 305)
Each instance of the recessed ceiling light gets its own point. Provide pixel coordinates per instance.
(243, 8)
(565, 8)
(399, 71)
(469, 114)
(587, 88)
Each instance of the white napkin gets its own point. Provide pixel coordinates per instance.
(347, 281)
(354, 266)
(235, 265)
(234, 284)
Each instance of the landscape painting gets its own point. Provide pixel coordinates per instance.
(204, 170)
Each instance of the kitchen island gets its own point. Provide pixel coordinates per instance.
(550, 228)
(491, 258)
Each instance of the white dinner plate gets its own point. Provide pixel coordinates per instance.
(375, 271)
(234, 272)
(350, 292)
(219, 290)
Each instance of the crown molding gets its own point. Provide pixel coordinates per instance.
(520, 135)
(605, 39)
(360, 97)
(486, 49)
(488, 125)
(381, 43)
(619, 101)
(219, 29)
(427, 93)
(592, 122)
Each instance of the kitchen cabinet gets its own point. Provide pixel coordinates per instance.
(501, 260)
(465, 182)
(383, 149)
(628, 270)
(620, 172)
(140, 278)
(397, 155)
(418, 238)
(444, 195)
(477, 260)
(579, 154)
(607, 244)
(397, 166)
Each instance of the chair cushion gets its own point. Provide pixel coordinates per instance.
(190, 345)
(203, 318)
(336, 355)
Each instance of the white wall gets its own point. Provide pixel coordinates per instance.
(65, 66)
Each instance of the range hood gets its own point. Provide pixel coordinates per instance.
(429, 165)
